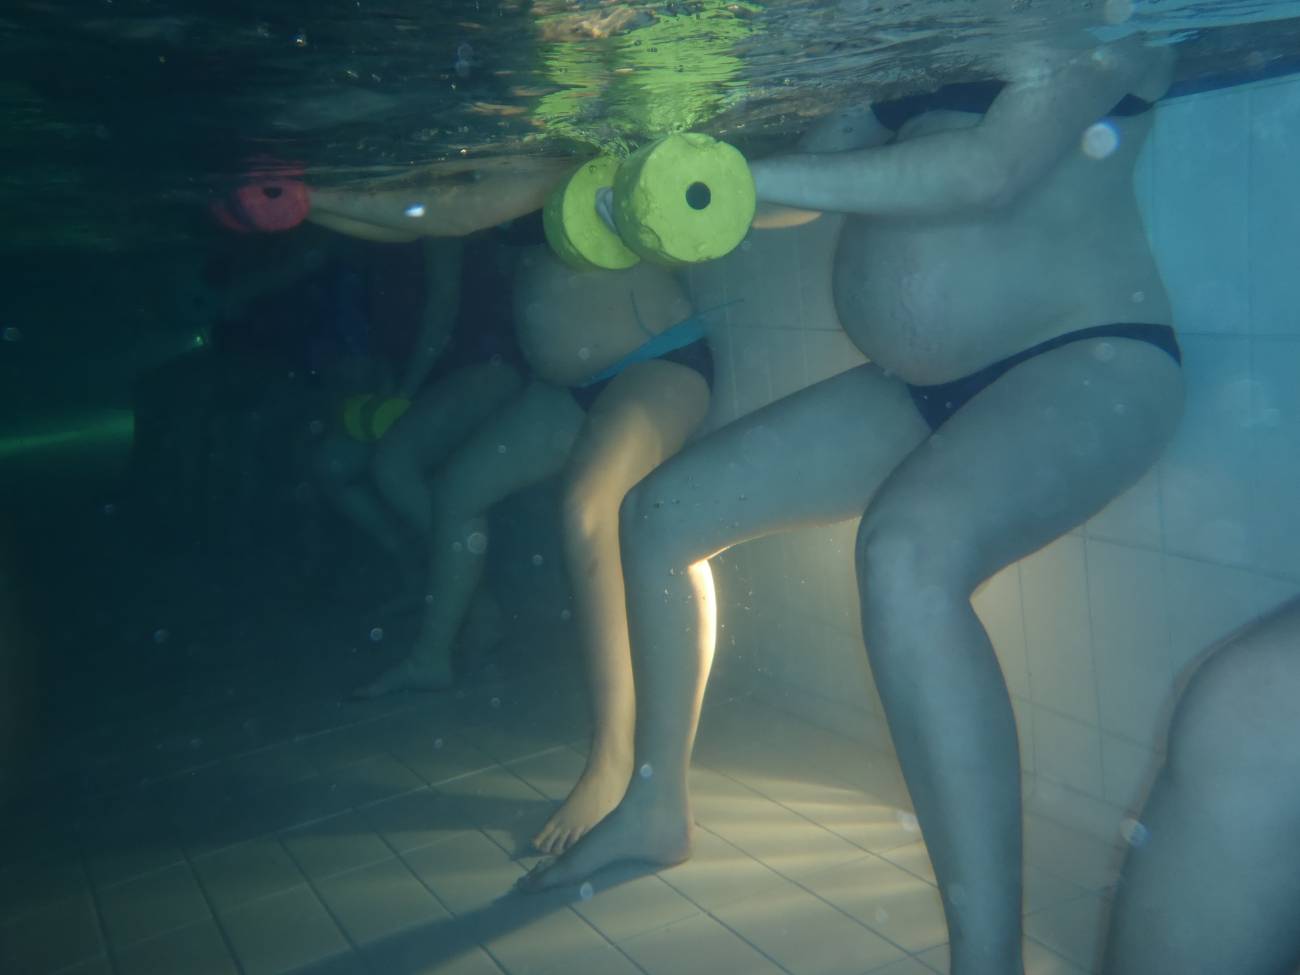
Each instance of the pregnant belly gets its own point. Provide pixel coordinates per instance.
(565, 350)
(932, 314)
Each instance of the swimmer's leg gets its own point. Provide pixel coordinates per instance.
(1213, 884)
(641, 419)
(1039, 451)
(524, 442)
(340, 466)
(808, 459)
(441, 417)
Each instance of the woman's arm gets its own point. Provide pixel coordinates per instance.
(1039, 116)
(840, 131)
(442, 264)
(492, 193)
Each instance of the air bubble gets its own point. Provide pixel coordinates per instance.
(495, 702)
(501, 448)
(1103, 352)
(1134, 833)
(376, 634)
(646, 770)
(537, 560)
(565, 615)
(586, 891)
(476, 543)
(908, 821)
(1100, 140)
(584, 353)
(437, 743)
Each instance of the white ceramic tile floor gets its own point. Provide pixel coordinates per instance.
(391, 845)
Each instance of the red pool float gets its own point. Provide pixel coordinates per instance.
(266, 201)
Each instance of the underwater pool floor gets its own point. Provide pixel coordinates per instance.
(269, 828)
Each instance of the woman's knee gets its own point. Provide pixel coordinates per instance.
(900, 557)
(645, 531)
(393, 469)
(587, 508)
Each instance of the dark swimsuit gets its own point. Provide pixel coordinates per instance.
(939, 402)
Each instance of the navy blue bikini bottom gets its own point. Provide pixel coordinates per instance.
(939, 402)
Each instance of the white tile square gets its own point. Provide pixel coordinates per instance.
(718, 873)
(51, 938)
(1133, 518)
(1200, 209)
(829, 353)
(151, 905)
(997, 603)
(467, 873)
(1067, 751)
(752, 358)
(545, 942)
(1058, 637)
(1273, 518)
(1207, 602)
(197, 949)
(1130, 638)
(1072, 930)
(334, 845)
(1205, 472)
(245, 872)
(699, 945)
(1274, 248)
(377, 901)
(895, 904)
(1128, 770)
(634, 907)
(1076, 856)
(282, 932)
(805, 935)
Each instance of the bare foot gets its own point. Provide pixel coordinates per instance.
(658, 833)
(597, 793)
(412, 674)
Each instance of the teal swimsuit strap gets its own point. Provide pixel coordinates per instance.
(684, 333)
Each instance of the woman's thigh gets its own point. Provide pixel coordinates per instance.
(813, 457)
(526, 441)
(447, 412)
(339, 460)
(1038, 452)
(642, 418)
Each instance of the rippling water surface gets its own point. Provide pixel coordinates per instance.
(117, 111)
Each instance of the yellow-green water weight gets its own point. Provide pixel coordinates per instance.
(574, 229)
(684, 198)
